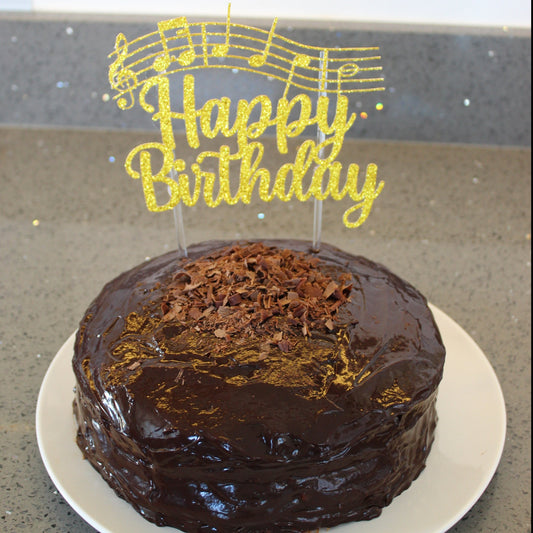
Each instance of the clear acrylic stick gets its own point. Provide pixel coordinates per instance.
(178, 224)
(320, 137)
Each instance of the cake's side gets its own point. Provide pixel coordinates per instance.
(230, 438)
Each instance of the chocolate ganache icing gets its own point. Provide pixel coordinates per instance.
(212, 412)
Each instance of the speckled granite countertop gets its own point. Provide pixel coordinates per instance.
(453, 219)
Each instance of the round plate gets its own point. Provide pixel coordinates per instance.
(467, 448)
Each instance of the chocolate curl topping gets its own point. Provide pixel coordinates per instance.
(257, 291)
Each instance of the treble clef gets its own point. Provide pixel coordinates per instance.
(122, 79)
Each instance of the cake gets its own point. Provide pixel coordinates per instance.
(257, 387)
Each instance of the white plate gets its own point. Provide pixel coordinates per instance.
(467, 449)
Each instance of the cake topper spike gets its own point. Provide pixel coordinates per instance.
(179, 226)
(320, 138)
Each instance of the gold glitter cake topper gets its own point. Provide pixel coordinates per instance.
(147, 65)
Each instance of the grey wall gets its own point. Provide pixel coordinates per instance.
(442, 85)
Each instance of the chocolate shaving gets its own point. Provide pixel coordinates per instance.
(257, 291)
(220, 333)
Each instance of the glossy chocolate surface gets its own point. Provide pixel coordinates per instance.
(220, 440)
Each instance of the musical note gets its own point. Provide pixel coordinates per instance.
(348, 70)
(221, 50)
(300, 60)
(258, 60)
(122, 79)
(181, 26)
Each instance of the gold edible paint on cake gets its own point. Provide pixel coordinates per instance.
(147, 63)
(392, 395)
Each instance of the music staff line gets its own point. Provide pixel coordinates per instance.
(187, 47)
(278, 66)
(225, 34)
(183, 30)
(264, 56)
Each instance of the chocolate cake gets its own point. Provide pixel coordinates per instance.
(257, 387)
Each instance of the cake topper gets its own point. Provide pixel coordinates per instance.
(142, 70)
